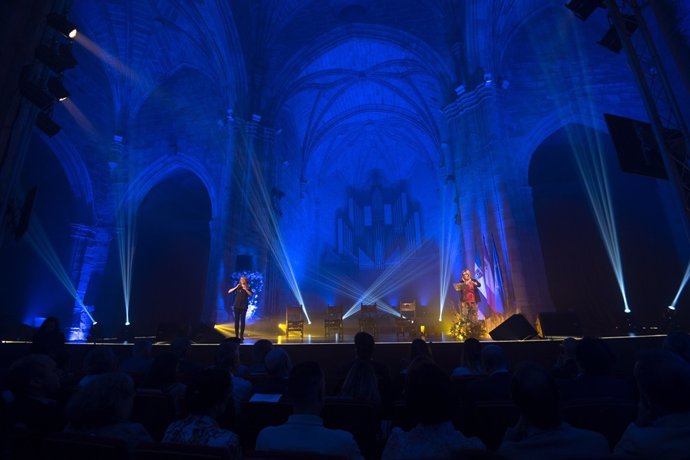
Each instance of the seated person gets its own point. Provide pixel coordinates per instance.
(662, 429)
(429, 398)
(304, 430)
(33, 382)
(540, 433)
(361, 383)
(208, 395)
(103, 406)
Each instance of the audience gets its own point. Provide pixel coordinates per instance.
(33, 382)
(304, 430)
(364, 350)
(138, 364)
(566, 363)
(495, 385)
(361, 383)
(227, 358)
(49, 339)
(208, 395)
(102, 407)
(540, 433)
(663, 426)
(186, 367)
(595, 380)
(678, 342)
(471, 359)
(430, 400)
(163, 376)
(98, 360)
(259, 351)
(278, 366)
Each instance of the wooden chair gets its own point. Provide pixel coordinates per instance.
(606, 416)
(361, 418)
(294, 321)
(155, 410)
(368, 316)
(170, 451)
(256, 416)
(77, 446)
(333, 324)
(405, 323)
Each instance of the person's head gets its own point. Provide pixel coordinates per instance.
(466, 274)
(471, 352)
(50, 324)
(278, 363)
(594, 357)
(429, 393)
(209, 392)
(361, 382)
(163, 370)
(568, 348)
(494, 359)
(419, 348)
(536, 395)
(663, 379)
(105, 400)
(364, 345)
(142, 348)
(227, 356)
(260, 349)
(180, 346)
(678, 342)
(99, 360)
(306, 388)
(243, 280)
(33, 375)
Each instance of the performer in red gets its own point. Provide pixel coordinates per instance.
(468, 288)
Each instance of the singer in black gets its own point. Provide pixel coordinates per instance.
(240, 305)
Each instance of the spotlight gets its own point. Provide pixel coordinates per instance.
(47, 125)
(57, 60)
(35, 94)
(62, 25)
(584, 8)
(612, 41)
(57, 89)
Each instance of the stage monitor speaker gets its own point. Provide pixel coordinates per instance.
(514, 328)
(168, 330)
(554, 324)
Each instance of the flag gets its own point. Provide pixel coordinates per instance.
(498, 280)
(489, 282)
(478, 272)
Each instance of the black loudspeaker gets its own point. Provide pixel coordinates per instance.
(552, 324)
(636, 146)
(514, 328)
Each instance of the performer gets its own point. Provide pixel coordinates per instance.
(468, 288)
(240, 305)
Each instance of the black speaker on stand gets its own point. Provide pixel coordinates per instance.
(553, 324)
(514, 328)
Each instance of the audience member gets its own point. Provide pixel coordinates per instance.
(34, 383)
(163, 376)
(495, 386)
(361, 383)
(98, 360)
(304, 430)
(663, 426)
(471, 359)
(208, 395)
(540, 433)
(278, 366)
(430, 400)
(595, 380)
(679, 343)
(102, 407)
(186, 367)
(364, 350)
(227, 358)
(49, 339)
(138, 364)
(566, 363)
(259, 351)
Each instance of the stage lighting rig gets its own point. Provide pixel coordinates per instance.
(62, 25)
